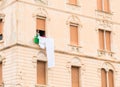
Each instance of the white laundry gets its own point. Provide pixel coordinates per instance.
(42, 41)
(50, 52)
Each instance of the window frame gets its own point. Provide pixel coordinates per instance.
(74, 25)
(45, 73)
(107, 77)
(103, 6)
(41, 30)
(104, 40)
(79, 74)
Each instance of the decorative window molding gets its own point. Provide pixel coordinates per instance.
(74, 19)
(102, 53)
(38, 85)
(41, 12)
(75, 48)
(75, 61)
(107, 67)
(104, 21)
(104, 24)
(39, 56)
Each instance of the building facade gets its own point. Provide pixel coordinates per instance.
(86, 43)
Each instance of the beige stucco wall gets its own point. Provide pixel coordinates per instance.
(20, 27)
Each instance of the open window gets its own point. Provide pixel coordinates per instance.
(1, 29)
(40, 26)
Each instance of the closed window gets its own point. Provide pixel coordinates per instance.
(75, 76)
(1, 29)
(40, 26)
(105, 40)
(41, 72)
(107, 78)
(74, 34)
(111, 78)
(103, 78)
(103, 5)
(0, 73)
(73, 2)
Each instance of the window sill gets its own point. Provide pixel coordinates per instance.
(39, 85)
(104, 12)
(75, 47)
(104, 52)
(76, 5)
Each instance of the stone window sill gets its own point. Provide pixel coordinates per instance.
(104, 12)
(76, 5)
(38, 85)
(75, 47)
(104, 52)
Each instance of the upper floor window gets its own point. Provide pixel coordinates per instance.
(74, 34)
(75, 76)
(103, 5)
(1, 29)
(40, 26)
(105, 40)
(107, 78)
(41, 72)
(73, 2)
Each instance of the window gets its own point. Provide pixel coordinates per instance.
(103, 5)
(103, 78)
(107, 79)
(75, 76)
(110, 76)
(73, 2)
(74, 34)
(40, 26)
(0, 73)
(105, 40)
(41, 72)
(1, 29)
